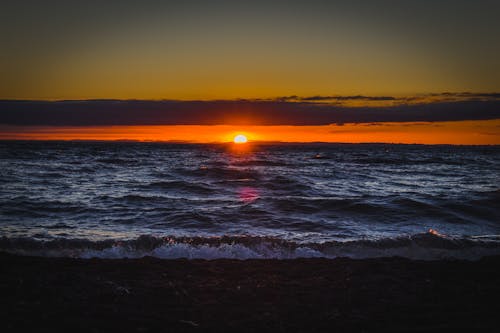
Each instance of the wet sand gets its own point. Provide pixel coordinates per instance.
(300, 295)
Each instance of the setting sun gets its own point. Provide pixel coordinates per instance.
(240, 138)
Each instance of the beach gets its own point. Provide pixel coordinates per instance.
(299, 295)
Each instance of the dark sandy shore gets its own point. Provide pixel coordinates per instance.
(301, 295)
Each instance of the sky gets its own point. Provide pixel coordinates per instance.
(386, 54)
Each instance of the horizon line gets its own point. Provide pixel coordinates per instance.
(265, 142)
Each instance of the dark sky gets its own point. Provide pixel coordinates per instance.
(246, 49)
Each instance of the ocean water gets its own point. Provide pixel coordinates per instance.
(131, 199)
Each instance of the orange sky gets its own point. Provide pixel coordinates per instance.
(251, 62)
(457, 132)
(246, 49)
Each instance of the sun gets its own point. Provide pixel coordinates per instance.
(240, 138)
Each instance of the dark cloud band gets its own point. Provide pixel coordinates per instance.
(296, 111)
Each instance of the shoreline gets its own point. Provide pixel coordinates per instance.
(269, 295)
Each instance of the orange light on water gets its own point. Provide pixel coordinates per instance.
(248, 194)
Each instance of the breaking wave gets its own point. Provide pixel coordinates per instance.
(425, 246)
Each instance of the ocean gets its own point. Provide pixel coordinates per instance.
(136, 199)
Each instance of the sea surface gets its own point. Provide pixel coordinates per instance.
(134, 199)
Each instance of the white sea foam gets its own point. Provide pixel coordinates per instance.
(421, 246)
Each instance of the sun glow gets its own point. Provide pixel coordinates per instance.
(471, 132)
(240, 138)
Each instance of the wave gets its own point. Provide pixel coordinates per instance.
(219, 173)
(179, 185)
(262, 162)
(425, 246)
(405, 160)
(116, 160)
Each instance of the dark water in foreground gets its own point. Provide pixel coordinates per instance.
(280, 201)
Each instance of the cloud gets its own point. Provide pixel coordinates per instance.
(319, 98)
(349, 98)
(362, 100)
(279, 111)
